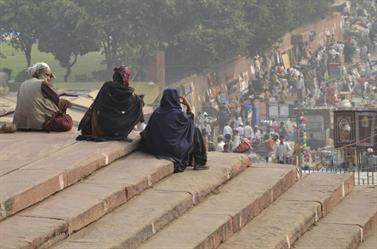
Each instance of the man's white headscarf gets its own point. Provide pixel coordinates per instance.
(37, 67)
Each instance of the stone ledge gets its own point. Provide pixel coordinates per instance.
(47, 175)
(223, 214)
(145, 215)
(87, 201)
(348, 224)
(296, 211)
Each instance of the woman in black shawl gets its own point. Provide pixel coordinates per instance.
(115, 111)
(171, 134)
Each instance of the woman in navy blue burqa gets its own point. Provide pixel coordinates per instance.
(171, 134)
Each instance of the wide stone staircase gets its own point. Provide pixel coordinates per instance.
(58, 193)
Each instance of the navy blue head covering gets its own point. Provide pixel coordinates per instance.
(170, 132)
(170, 100)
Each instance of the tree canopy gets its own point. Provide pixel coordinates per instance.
(195, 34)
(18, 19)
(71, 34)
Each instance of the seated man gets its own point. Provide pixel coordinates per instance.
(39, 108)
(171, 134)
(115, 111)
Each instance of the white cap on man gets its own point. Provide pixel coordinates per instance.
(38, 66)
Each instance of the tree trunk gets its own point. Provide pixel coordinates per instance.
(109, 52)
(68, 72)
(27, 52)
(69, 68)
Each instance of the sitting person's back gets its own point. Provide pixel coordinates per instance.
(38, 106)
(115, 111)
(171, 134)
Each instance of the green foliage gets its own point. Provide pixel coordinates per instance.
(195, 34)
(72, 34)
(208, 32)
(271, 19)
(19, 19)
(129, 29)
(86, 64)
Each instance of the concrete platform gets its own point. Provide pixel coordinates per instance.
(57, 193)
(347, 225)
(226, 212)
(74, 208)
(35, 165)
(85, 202)
(287, 219)
(370, 241)
(145, 215)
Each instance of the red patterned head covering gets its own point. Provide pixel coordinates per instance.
(122, 73)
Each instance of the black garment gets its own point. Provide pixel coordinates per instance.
(170, 132)
(197, 154)
(113, 114)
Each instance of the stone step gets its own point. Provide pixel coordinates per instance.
(40, 175)
(370, 241)
(19, 149)
(226, 212)
(347, 225)
(79, 205)
(293, 213)
(74, 208)
(143, 216)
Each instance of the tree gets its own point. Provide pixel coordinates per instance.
(148, 31)
(195, 34)
(2, 39)
(131, 31)
(270, 19)
(71, 34)
(19, 21)
(207, 32)
(110, 17)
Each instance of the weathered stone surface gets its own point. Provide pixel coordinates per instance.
(328, 189)
(22, 189)
(359, 208)
(212, 231)
(143, 216)
(333, 236)
(133, 223)
(90, 199)
(43, 177)
(221, 215)
(370, 241)
(20, 149)
(30, 232)
(281, 224)
(275, 227)
(258, 184)
(188, 182)
(347, 224)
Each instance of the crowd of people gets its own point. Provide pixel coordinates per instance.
(319, 77)
(339, 73)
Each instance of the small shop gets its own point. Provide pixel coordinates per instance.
(319, 125)
(278, 110)
(354, 133)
